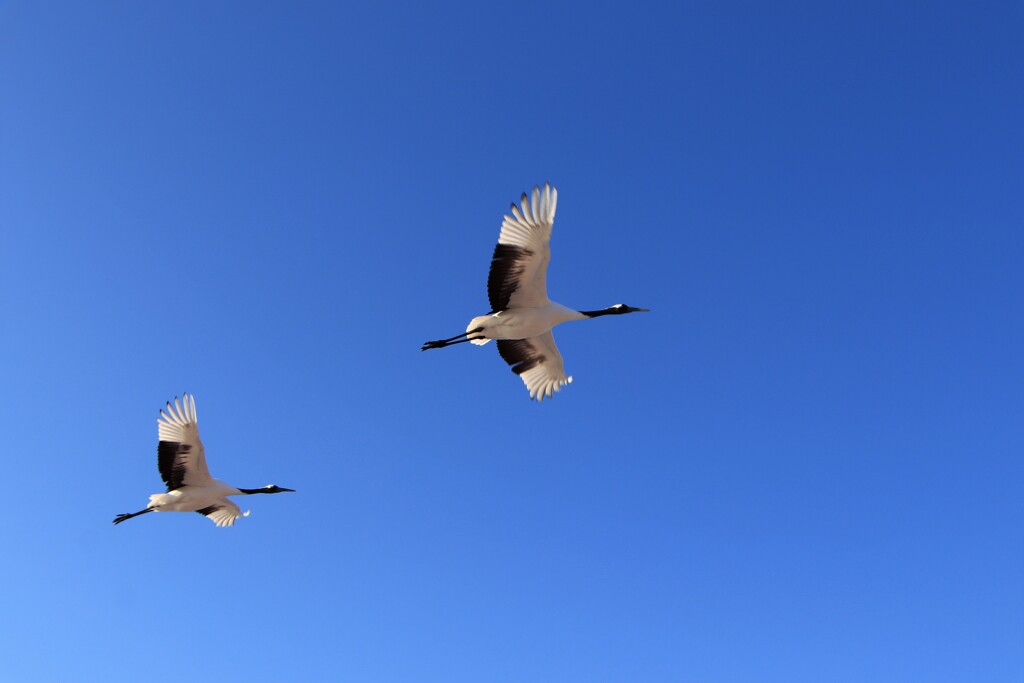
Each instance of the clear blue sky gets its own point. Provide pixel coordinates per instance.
(804, 465)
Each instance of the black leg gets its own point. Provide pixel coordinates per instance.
(129, 515)
(441, 343)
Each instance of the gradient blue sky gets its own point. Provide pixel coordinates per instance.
(804, 465)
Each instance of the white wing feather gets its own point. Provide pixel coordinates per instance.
(178, 423)
(549, 376)
(226, 513)
(529, 227)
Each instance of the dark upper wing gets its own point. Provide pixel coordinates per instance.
(180, 455)
(222, 513)
(537, 362)
(518, 275)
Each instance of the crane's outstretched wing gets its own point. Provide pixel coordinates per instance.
(180, 455)
(223, 513)
(537, 362)
(519, 266)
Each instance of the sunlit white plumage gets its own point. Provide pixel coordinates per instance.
(181, 460)
(522, 316)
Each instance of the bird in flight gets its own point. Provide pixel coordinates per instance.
(522, 316)
(182, 465)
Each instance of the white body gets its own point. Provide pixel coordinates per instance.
(522, 322)
(195, 498)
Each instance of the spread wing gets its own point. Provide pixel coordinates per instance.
(223, 513)
(519, 266)
(180, 455)
(537, 362)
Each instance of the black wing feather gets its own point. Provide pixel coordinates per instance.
(172, 468)
(507, 266)
(520, 354)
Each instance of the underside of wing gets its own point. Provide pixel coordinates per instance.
(519, 266)
(223, 513)
(537, 362)
(180, 455)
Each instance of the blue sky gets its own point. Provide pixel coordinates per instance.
(803, 465)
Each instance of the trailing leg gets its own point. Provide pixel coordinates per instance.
(441, 343)
(129, 515)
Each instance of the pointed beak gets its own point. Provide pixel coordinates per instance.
(283, 490)
(641, 310)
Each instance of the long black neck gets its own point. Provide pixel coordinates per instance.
(249, 492)
(603, 311)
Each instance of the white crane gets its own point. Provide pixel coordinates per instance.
(521, 314)
(182, 464)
